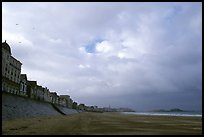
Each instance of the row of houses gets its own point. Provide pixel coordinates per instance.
(32, 90)
(16, 83)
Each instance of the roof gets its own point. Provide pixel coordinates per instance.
(64, 96)
(23, 76)
(6, 47)
(16, 60)
(34, 83)
(53, 94)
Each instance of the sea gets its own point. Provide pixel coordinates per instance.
(184, 114)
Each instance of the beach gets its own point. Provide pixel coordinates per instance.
(91, 123)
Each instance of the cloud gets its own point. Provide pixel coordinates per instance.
(84, 66)
(103, 47)
(128, 54)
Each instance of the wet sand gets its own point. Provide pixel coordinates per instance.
(90, 123)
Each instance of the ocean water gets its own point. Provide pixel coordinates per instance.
(185, 114)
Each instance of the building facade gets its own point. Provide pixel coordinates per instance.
(62, 101)
(54, 98)
(69, 101)
(23, 85)
(32, 89)
(47, 96)
(11, 70)
(40, 93)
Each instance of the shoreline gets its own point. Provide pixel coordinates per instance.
(108, 123)
(176, 114)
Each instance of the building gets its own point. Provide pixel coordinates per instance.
(23, 85)
(32, 89)
(63, 101)
(69, 101)
(54, 98)
(40, 93)
(47, 96)
(81, 107)
(74, 105)
(11, 70)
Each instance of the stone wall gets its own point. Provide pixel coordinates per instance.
(14, 106)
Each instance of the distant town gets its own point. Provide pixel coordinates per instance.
(14, 82)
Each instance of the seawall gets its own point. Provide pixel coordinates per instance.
(14, 106)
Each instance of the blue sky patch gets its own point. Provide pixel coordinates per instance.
(91, 46)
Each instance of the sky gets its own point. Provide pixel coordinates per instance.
(139, 55)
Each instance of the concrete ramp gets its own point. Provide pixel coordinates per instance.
(66, 110)
(14, 106)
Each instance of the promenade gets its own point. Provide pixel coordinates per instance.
(90, 123)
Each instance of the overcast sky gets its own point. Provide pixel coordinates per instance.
(139, 55)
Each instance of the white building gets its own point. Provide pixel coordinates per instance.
(11, 70)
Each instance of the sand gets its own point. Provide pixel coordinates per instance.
(90, 123)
